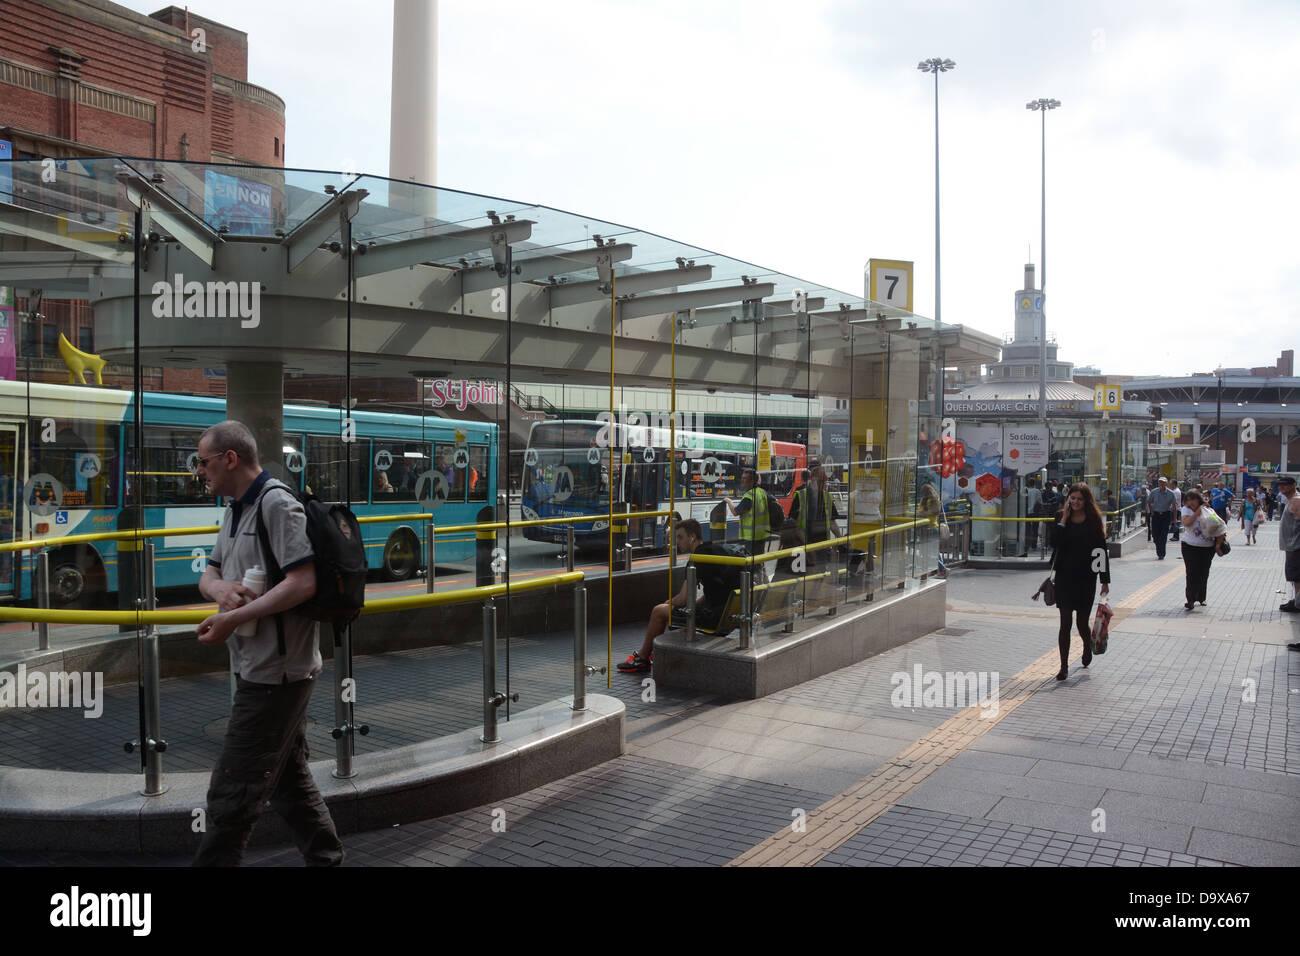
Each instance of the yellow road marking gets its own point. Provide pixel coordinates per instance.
(842, 817)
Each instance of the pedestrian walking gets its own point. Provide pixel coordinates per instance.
(1161, 511)
(1288, 539)
(264, 757)
(1252, 514)
(1202, 529)
(1080, 556)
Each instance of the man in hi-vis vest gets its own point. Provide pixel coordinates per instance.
(814, 508)
(752, 512)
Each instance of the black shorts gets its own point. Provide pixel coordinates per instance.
(705, 616)
(1293, 565)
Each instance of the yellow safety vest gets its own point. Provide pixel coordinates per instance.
(754, 525)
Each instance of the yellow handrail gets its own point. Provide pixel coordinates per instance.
(816, 546)
(140, 533)
(195, 615)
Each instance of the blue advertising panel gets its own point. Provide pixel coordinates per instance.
(243, 206)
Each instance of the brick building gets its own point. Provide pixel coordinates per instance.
(89, 78)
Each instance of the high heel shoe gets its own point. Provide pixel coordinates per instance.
(1063, 674)
(1087, 653)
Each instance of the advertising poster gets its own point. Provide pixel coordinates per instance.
(980, 481)
(6, 173)
(243, 206)
(1025, 448)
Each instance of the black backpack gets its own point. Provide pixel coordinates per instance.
(340, 560)
(775, 516)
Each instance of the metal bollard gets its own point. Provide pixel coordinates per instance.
(746, 621)
(570, 545)
(490, 735)
(491, 699)
(429, 552)
(153, 745)
(581, 669)
(42, 585)
(345, 726)
(690, 603)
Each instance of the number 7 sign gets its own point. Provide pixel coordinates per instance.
(889, 282)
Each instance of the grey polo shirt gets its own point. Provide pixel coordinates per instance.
(257, 658)
(1160, 500)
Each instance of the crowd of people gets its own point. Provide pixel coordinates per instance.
(1195, 517)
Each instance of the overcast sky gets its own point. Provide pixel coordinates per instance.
(800, 137)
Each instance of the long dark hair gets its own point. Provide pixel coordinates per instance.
(1092, 514)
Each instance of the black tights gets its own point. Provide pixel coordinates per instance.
(1063, 636)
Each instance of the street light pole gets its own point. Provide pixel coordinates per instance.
(936, 66)
(1043, 105)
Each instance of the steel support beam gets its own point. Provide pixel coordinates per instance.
(324, 223)
(540, 267)
(576, 293)
(177, 222)
(692, 299)
(448, 245)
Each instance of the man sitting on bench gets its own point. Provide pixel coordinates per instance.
(718, 581)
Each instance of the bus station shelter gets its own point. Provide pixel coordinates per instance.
(386, 343)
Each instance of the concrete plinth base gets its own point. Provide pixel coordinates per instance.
(41, 809)
(716, 666)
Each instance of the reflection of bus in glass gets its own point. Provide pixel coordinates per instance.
(79, 446)
(566, 474)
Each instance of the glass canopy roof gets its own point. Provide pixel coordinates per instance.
(252, 203)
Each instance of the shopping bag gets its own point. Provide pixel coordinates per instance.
(1101, 628)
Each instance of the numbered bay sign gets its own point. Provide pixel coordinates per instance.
(889, 281)
(1107, 398)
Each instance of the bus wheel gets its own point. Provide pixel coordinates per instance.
(401, 556)
(75, 573)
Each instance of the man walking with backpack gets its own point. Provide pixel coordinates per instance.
(264, 756)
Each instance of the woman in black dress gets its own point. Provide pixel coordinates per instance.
(1079, 546)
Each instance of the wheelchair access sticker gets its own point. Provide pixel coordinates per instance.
(60, 517)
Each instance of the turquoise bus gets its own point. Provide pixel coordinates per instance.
(67, 467)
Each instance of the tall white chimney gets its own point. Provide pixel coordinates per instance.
(413, 122)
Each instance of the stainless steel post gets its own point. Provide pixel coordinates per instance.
(43, 598)
(690, 603)
(746, 621)
(429, 554)
(490, 735)
(579, 646)
(570, 545)
(344, 694)
(153, 744)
